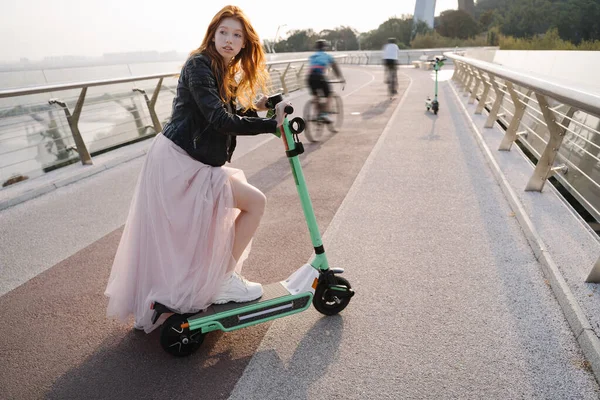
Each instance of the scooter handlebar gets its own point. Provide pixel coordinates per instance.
(274, 100)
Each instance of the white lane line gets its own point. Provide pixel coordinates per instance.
(354, 189)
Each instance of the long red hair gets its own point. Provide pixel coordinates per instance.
(246, 75)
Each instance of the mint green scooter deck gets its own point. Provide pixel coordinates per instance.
(276, 302)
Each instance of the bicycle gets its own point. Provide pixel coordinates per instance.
(314, 109)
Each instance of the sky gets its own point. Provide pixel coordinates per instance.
(36, 29)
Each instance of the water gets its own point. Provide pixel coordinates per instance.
(35, 135)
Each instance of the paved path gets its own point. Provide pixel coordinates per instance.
(451, 301)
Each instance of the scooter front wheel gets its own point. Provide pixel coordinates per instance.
(326, 302)
(178, 341)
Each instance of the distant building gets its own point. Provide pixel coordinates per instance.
(467, 6)
(424, 11)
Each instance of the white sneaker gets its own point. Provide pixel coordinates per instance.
(137, 326)
(238, 289)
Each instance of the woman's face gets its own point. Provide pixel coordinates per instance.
(229, 38)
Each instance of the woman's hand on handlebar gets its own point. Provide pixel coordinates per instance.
(261, 104)
(280, 111)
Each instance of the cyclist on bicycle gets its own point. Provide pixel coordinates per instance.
(390, 59)
(318, 63)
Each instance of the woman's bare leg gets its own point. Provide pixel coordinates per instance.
(251, 203)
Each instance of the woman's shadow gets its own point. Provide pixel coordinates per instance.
(134, 366)
(270, 377)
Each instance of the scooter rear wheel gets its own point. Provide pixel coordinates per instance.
(336, 113)
(325, 300)
(178, 341)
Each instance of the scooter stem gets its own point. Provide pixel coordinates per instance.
(309, 214)
(436, 83)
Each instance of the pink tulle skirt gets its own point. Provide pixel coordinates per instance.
(177, 242)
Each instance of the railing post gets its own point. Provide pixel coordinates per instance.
(478, 80)
(73, 120)
(497, 103)
(464, 75)
(151, 103)
(594, 276)
(511, 133)
(455, 74)
(544, 166)
(283, 84)
(484, 95)
(468, 82)
(301, 82)
(299, 73)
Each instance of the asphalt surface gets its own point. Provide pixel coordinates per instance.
(451, 301)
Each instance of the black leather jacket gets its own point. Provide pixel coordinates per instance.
(201, 123)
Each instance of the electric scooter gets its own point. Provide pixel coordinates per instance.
(434, 105)
(182, 334)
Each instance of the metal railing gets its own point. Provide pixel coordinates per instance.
(558, 124)
(46, 127)
(405, 57)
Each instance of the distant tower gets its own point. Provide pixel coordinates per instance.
(467, 6)
(424, 11)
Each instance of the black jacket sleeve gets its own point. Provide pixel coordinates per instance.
(247, 113)
(203, 87)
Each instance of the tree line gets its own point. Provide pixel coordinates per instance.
(569, 21)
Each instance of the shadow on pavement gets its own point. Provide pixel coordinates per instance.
(134, 366)
(270, 377)
(378, 109)
(432, 133)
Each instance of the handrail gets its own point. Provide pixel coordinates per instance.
(286, 76)
(78, 85)
(572, 95)
(469, 74)
(103, 82)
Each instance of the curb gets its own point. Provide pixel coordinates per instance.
(585, 335)
(87, 171)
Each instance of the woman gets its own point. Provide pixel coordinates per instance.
(192, 219)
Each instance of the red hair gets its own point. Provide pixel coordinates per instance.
(249, 65)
